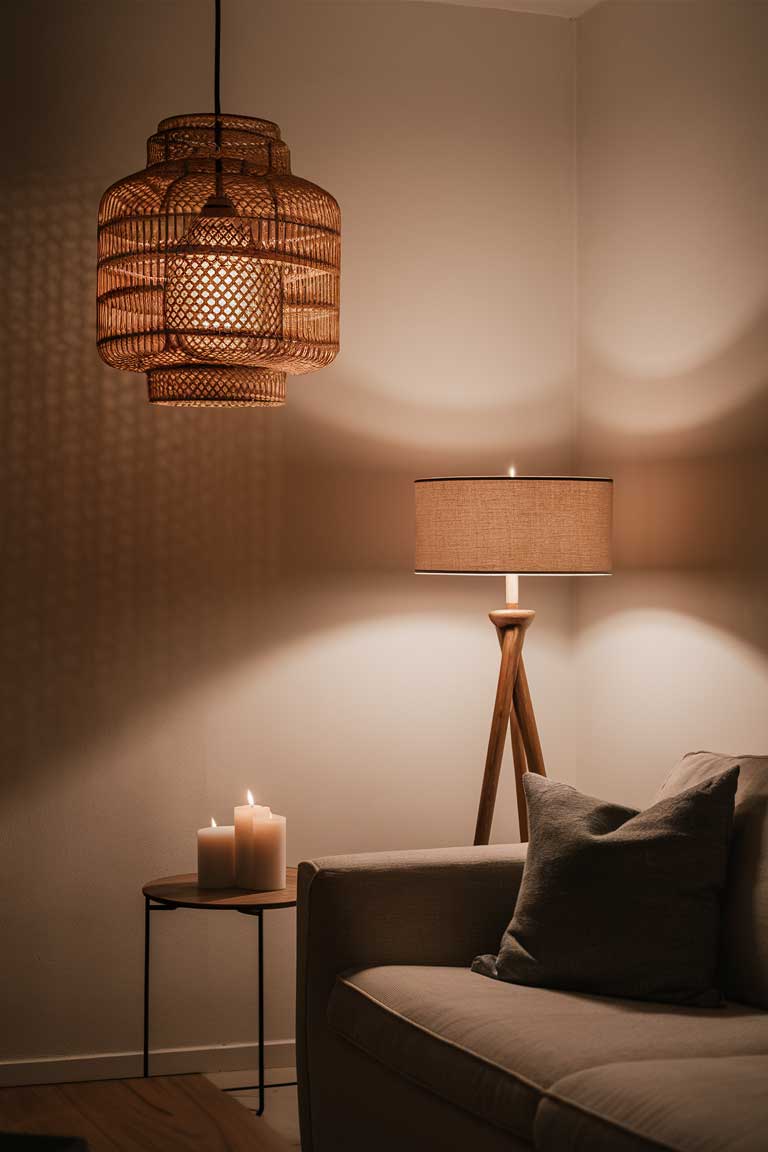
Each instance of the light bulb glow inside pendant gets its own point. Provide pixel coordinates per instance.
(217, 291)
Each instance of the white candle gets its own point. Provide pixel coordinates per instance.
(259, 848)
(216, 856)
(244, 817)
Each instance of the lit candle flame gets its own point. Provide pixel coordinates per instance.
(251, 800)
(511, 471)
(213, 823)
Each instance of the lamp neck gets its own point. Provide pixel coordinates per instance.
(512, 589)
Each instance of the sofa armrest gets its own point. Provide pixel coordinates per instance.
(437, 906)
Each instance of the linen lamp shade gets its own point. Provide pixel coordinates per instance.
(536, 525)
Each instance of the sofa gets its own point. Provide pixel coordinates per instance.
(401, 1047)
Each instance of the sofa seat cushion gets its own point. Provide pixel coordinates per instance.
(494, 1048)
(696, 1105)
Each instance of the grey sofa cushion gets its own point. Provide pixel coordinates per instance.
(745, 922)
(617, 902)
(494, 1048)
(709, 1105)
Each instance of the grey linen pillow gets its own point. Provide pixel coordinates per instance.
(618, 902)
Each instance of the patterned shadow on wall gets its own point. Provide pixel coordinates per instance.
(135, 541)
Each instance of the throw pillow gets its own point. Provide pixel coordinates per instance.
(618, 902)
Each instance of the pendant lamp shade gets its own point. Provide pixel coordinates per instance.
(218, 270)
(545, 525)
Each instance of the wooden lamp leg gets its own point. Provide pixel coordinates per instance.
(512, 707)
(511, 644)
(527, 721)
(518, 751)
(521, 767)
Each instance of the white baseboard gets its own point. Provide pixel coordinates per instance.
(163, 1062)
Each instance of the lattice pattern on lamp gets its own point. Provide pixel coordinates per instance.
(192, 385)
(213, 259)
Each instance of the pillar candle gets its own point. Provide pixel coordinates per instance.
(244, 817)
(259, 848)
(216, 856)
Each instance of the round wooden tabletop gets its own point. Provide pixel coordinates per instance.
(183, 892)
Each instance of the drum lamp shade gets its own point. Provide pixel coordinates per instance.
(530, 525)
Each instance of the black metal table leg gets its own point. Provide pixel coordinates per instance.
(261, 1013)
(149, 907)
(145, 1065)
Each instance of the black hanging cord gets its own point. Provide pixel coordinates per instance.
(217, 60)
(217, 95)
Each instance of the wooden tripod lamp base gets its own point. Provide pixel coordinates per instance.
(512, 709)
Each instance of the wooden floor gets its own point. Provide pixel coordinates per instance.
(281, 1105)
(160, 1114)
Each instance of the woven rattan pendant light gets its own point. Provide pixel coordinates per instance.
(218, 271)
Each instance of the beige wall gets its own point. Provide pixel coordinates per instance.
(672, 652)
(199, 602)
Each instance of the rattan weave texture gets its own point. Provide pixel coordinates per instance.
(188, 292)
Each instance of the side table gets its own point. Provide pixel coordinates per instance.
(172, 892)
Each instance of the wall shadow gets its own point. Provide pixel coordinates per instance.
(146, 550)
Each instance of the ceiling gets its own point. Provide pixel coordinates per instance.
(542, 7)
(568, 8)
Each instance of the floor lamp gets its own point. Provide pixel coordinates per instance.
(512, 526)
